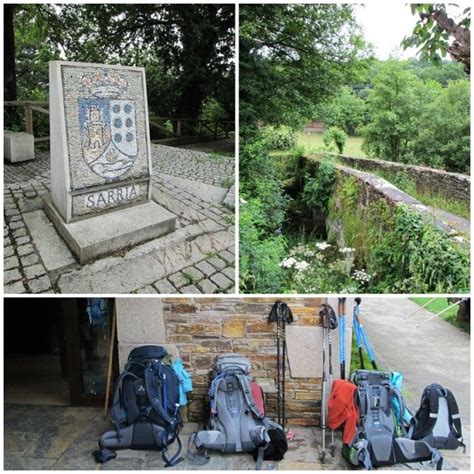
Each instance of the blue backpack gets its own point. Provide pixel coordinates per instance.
(145, 408)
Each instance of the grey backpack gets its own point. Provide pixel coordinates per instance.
(236, 424)
(380, 438)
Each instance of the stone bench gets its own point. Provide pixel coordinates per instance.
(18, 146)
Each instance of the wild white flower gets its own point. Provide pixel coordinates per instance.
(322, 245)
(288, 262)
(362, 276)
(346, 250)
(300, 248)
(309, 253)
(301, 266)
(459, 239)
(350, 289)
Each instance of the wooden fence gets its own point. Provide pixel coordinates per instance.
(171, 128)
(30, 106)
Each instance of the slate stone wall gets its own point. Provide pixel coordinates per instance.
(374, 187)
(452, 185)
(203, 328)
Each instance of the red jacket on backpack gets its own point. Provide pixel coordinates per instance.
(342, 410)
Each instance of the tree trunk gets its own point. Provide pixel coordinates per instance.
(9, 51)
(460, 50)
(464, 312)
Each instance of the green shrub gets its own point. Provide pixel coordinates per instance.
(402, 250)
(317, 190)
(212, 110)
(427, 259)
(260, 251)
(279, 137)
(337, 136)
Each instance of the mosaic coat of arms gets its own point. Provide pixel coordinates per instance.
(107, 124)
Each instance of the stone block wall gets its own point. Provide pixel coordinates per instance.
(202, 328)
(375, 188)
(451, 185)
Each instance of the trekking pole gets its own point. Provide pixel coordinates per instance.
(342, 335)
(322, 454)
(282, 315)
(368, 347)
(283, 375)
(441, 312)
(111, 357)
(332, 447)
(278, 310)
(420, 308)
(358, 335)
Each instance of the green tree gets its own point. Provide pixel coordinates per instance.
(392, 105)
(437, 34)
(187, 50)
(9, 89)
(346, 111)
(444, 133)
(293, 57)
(442, 72)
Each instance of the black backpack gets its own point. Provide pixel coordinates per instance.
(438, 421)
(145, 408)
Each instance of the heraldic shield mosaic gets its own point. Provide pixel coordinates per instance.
(106, 125)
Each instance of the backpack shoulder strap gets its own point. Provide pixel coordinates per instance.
(245, 387)
(430, 402)
(117, 413)
(454, 417)
(154, 397)
(395, 393)
(213, 392)
(170, 433)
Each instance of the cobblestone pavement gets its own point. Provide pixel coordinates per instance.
(197, 258)
(195, 165)
(46, 437)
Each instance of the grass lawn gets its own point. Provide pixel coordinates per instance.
(355, 359)
(438, 305)
(313, 141)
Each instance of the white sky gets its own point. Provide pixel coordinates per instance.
(386, 23)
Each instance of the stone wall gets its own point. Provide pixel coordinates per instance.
(199, 329)
(451, 185)
(375, 187)
(203, 328)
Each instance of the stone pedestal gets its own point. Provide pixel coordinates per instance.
(100, 159)
(104, 234)
(18, 146)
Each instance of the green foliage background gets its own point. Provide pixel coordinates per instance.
(187, 50)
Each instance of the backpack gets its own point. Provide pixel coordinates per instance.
(437, 421)
(237, 422)
(380, 434)
(145, 407)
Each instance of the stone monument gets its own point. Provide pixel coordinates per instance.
(100, 198)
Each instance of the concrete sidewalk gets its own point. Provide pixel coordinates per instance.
(435, 352)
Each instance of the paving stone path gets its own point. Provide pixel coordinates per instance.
(199, 257)
(54, 437)
(195, 165)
